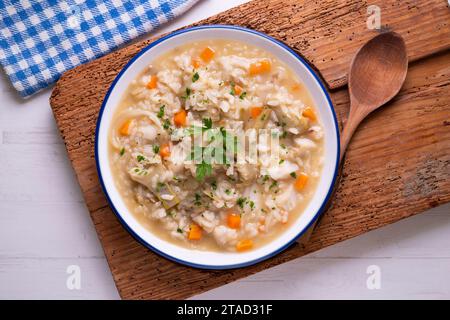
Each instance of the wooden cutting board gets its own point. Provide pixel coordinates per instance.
(397, 165)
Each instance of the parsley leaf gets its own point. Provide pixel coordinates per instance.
(140, 158)
(122, 151)
(160, 186)
(188, 93)
(156, 149)
(195, 77)
(166, 124)
(243, 95)
(207, 123)
(293, 175)
(241, 201)
(203, 170)
(273, 185)
(198, 199)
(160, 113)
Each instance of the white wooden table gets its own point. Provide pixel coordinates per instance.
(45, 227)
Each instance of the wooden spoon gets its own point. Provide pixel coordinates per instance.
(376, 75)
(377, 72)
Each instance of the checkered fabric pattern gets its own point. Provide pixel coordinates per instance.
(41, 39)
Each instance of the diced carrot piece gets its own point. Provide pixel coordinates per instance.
(237, 89)
(195, 63)
(195, 232)
(309, 113)
(180, 118)
(234, 221)
(207, 54)
(164, 150)
(153, 82)
(125, 128)
(260, 67)
(243, 245)
(300, 182)
(255, 112)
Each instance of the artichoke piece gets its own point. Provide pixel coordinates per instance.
(290, 118)
(163, 191)
(167, 196)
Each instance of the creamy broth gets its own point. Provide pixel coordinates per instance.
(223, 85)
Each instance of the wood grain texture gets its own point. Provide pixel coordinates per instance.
(397, 165)
(326, 32)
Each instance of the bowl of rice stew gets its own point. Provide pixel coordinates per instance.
(217, 147)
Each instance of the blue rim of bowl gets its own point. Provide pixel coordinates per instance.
(202, 266)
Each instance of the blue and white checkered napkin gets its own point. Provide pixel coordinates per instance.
(40, 39)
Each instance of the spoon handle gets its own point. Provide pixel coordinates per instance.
(356, 115)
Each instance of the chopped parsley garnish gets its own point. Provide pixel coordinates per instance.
(214, 185)
(179, 230)
(232, 91)
(203, 170)
(166, 124)
(281, 161)
(159, 186)
(187, 94)
(273, 185)
(207, 123)
(140, 158)
(198, 199)
(293, 175)
(156, 149)
(241, 201)
(122, 151)
(195, 77)
(243, 95)
(283, 135)
(228, 191)
(251, 204)
(160, 113)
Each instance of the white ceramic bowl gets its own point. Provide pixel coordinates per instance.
(205, 259)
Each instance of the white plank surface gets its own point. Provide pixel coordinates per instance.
(45, 227)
